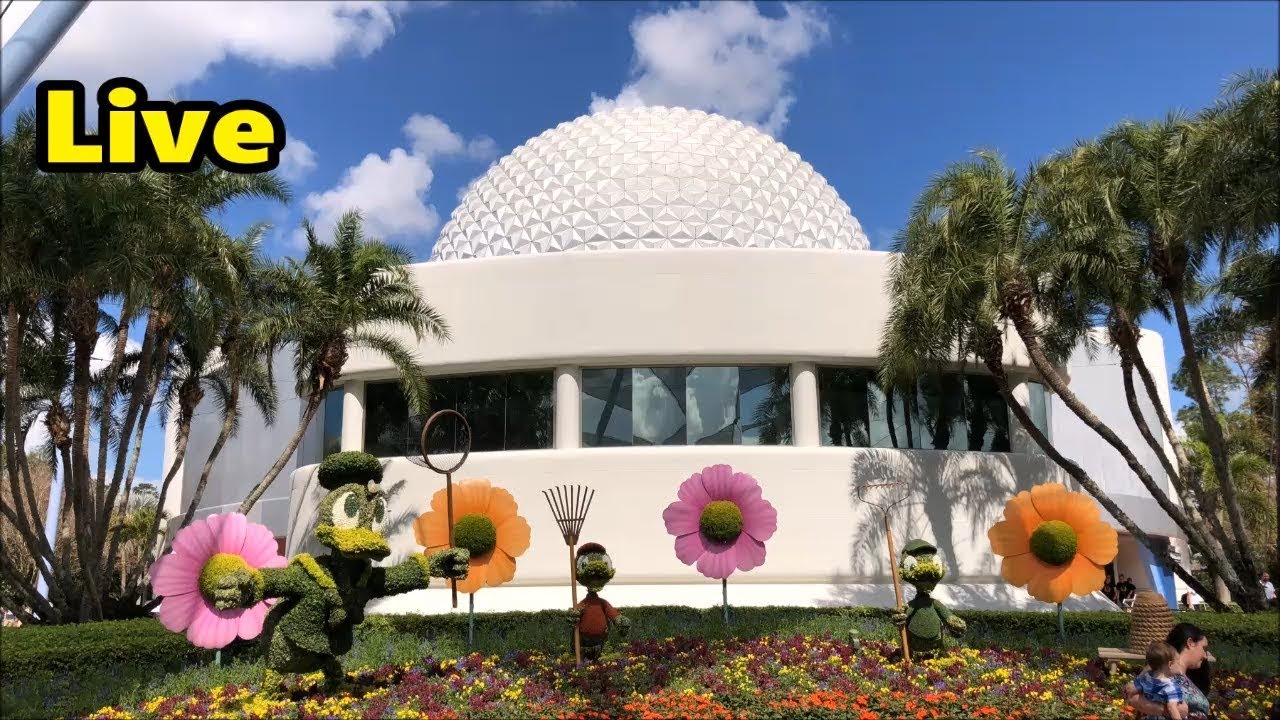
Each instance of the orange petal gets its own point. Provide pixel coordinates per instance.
(1052, 584)
(440, 502)
(1022, 512)
(1050, 501)
(502, 506)
(1018, 570)
(1086, 577)
(471, 497)
(1079, 511)
(502, 567)
(475, 576)
(1098, 542)
(1008, 538)
(431, 531)
(513, 536)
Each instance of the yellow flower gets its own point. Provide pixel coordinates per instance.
(1053, 542)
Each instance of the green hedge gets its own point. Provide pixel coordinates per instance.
(89, 647)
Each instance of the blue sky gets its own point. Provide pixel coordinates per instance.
(877, 96)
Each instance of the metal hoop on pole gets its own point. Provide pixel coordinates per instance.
(462, 444)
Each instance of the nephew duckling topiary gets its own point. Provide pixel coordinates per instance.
(927, 620)
(322, 599)
(594, 616)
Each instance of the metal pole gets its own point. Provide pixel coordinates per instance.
(471, 621)
(33, 42)
(448, 494)
(724, 596)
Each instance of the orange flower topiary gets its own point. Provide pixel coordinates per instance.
(485, 523)
(1053, 542)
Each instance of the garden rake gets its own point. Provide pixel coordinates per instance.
(569, 505)
(892, 493)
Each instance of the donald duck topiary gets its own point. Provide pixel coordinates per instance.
(927, 620)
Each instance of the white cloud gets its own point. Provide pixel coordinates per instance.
(392, 191)
(169, 44)
(297, 160)
(723, 57)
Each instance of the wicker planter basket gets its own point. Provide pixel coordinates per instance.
(1150, 620)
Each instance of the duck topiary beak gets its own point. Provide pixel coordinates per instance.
(355, 542)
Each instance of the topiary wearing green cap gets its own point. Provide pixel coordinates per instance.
(927, 620)
(321, 600)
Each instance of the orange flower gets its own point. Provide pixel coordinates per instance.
(484, 522)
(1054, 542)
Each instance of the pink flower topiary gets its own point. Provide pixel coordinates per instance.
(203, 552)
(721, 522)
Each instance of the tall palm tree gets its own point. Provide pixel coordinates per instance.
(342, 296)
(977, 262)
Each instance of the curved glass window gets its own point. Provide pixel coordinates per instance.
(686, 406)
(506, 411)
(944, 412)
(332, 422)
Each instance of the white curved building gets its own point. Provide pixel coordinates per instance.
(638, 294)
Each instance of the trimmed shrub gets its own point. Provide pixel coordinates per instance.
(350, 466)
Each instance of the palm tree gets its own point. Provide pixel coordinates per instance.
(340, 297)
(978, 261)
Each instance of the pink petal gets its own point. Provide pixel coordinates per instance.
(718, 561)
(195, 541)
(174, 575)
(277, 561)
(717, 480)
(232, 533)
(750, 552)
(681, 518)
(177, 611)
(259, 546)
(213, 628)
(759, 519)
(250, 625)
(692, 492)
(745, 490)
(689, 548)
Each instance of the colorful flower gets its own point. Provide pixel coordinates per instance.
(1054, 542)
(485, 523)
(721, 522)
(204, 551)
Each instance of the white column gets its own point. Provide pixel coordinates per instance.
(805, 415)
(353, 415)
(1019, 440)
(568, 408)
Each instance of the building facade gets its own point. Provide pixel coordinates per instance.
(636, 295)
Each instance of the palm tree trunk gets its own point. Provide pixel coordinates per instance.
(228, 424)
(179, 454)
(1212, 552)
(1158, 550)
(1251, 598)
(141, 393)
(109, 386)
(313, 405)
(1275, 415)
(84, 321)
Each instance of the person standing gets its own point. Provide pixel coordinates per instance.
(1268, 590)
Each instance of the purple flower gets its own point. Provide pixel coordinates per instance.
(720, 522)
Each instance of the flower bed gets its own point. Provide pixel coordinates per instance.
(800, 676)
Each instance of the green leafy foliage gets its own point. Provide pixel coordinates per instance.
(721, 521)
(1054, 542)
(476, 533)
(348, 467)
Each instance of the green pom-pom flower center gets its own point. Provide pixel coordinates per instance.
(1054, 542)
(475, 533)
(216, 568)
(721, 521)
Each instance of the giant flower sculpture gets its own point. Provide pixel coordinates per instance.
(721, 522)
(203, 551)
(1053, 542)
(485, 522)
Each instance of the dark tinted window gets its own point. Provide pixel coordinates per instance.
(506, 411)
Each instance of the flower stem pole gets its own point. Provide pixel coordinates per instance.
(471, 620)
(897, 585)
(724, 593)
(1062, 635)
